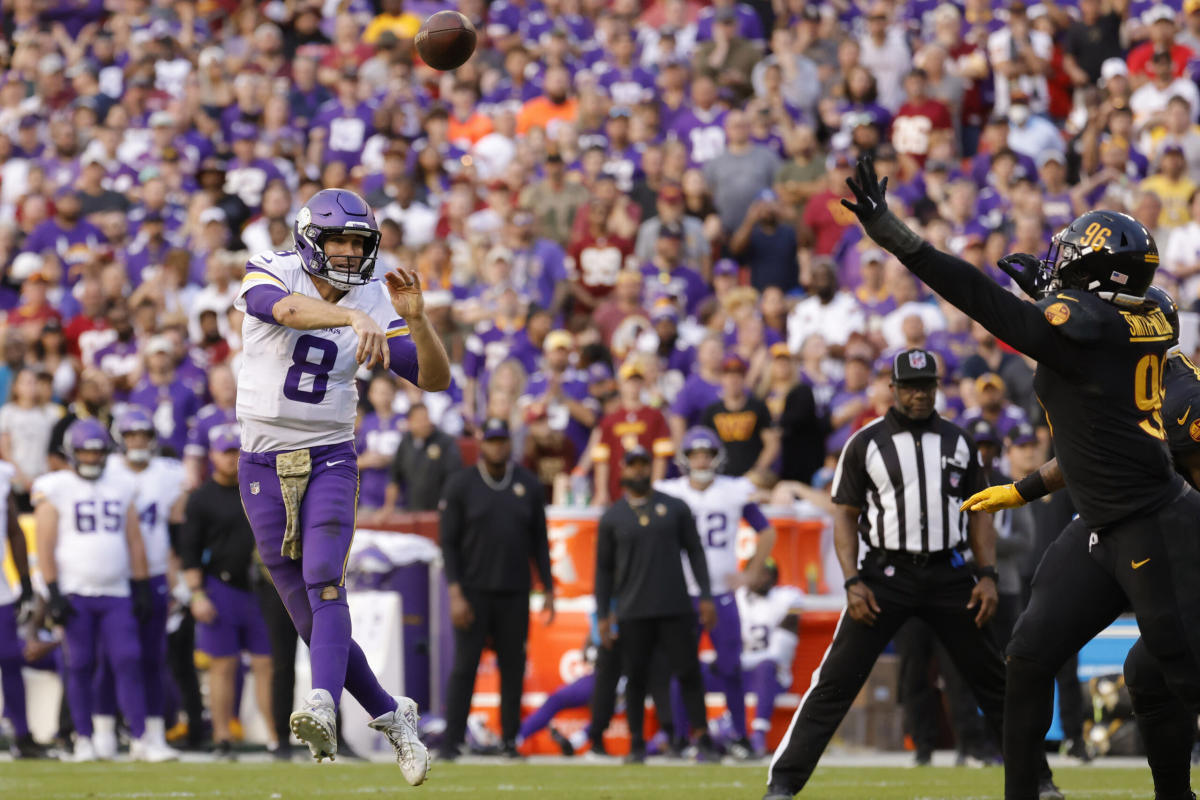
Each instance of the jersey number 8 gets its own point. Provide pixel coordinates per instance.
(301, 366)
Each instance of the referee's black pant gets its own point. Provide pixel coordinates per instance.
(937, 592)
(502, 621)
(675, 637)
(1083, 583)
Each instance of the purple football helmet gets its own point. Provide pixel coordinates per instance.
(87, 434)
(699, 437)
(337, 211)
(136, 419)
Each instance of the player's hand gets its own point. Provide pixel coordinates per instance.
(59, 609)
(869, 191)
(143, 601)
(708, 613)
(984, 596)
(548, 607)
(608, 636)
(861, 603)
(404, 287)
(372, 342)
(27, 602)
(203, 610)
(461, 615)
(1026, 271)
(993, 499)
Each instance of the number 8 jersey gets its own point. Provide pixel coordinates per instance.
(91, 553)
(296, 389)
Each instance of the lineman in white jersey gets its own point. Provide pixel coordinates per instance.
(160, 502)
(313, 315)
(93, 559)
(15, 610)
(719, 503)
(770, 626)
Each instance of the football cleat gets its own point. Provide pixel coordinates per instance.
(400, 728)
(316, 724)
(26, 747)
(84, 751)
(151, 752)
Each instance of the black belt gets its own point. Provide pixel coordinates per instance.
(916, 559)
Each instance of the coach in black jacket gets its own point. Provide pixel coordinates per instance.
(493, 523)
(638, 566)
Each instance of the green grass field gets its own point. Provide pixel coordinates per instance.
(262, 781)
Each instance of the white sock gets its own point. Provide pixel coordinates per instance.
(156, 731)
(578, 739)
(104, 725)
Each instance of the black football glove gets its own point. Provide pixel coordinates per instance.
(59, 608)
(872, 211)
(1027, 271)
(143, 599)
(27, 602)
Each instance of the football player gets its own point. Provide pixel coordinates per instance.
(1100, 349)
(313, 315)
(719, 503)
(160, 500)
(15, 610)
(93, 560)
(770, 634)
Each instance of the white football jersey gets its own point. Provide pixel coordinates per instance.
(718, 511)
(7, 471)
(91, 554)
(761, 617)
(159, 485)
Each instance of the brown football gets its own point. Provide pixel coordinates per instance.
(446, 40)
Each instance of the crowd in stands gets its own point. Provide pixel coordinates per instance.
(625, 214)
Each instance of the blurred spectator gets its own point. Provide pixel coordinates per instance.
(554, 200)
(1091, 39)
(424, 459)
(922, 123)
(1150, 100)
(727, 57)
(768, 245)
(559, 392)
(162, 391)
(631, 424)
(825, 219)
(26, 424)
(548, 453)
(801, 177)
(670, 211)
(625, 302)
(701, 389)
(377, 438)
(827, 310)
(1174, 188)
(1020, 55)
(1159, 22)
(743, 422)
(885, 53)
(992, 406)
(740, 173)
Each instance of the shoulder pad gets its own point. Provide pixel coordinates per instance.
(1077, 315)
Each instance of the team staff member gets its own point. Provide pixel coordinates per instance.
(638, 543)
(493, 522)
(216, 549)
(899, 482)
(1100, 350)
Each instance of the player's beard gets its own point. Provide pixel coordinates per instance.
(639, 486)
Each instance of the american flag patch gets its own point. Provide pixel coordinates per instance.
(1119, 277)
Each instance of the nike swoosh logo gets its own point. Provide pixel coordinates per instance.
(1137, 564)
(1183, 419)
(334, 463)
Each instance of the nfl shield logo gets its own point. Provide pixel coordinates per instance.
(955, 479)
(916, 359)
(254, 487)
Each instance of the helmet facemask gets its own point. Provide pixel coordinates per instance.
(343, 272)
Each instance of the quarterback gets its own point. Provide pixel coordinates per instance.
(313, 315)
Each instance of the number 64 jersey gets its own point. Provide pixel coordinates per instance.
(296, 388)
(91, 552)
(719, 509)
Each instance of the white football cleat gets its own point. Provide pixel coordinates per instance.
(400, 727)
(104, 736)
(150, 751)
(316, 724)
(84, 751)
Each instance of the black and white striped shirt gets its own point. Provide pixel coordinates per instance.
(909, 477)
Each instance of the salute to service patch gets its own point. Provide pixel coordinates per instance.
(1057, 314)
(1194, 430)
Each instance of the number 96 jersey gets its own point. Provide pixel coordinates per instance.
(91, 552)
(296, 389)
(719, 509)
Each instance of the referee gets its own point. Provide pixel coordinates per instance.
(493, 524)
(899, 483)
(638, 543)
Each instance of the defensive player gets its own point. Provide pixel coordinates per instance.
(160, 500)
(1165, 724)
(719, 503)
(1100, 350)
(313, 315)
(93, 559)
(15, 610)
(770, 628)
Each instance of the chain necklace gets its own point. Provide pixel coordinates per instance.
(495, 485)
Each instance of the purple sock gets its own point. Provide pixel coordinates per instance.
(330, 641)
(79, 698)
(364, 687)
(12, 688)
(735, 701)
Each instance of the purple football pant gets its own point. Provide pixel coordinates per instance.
(239, 626)
(111, 620)
(763, 680)
(571, 695)
(725, 673)
(12, 685)
(152, 635)
(312, 589)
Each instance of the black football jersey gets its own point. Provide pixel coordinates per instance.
(1099, 379)
(1181, 409)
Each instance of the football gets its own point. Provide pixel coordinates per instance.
(446, 40)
